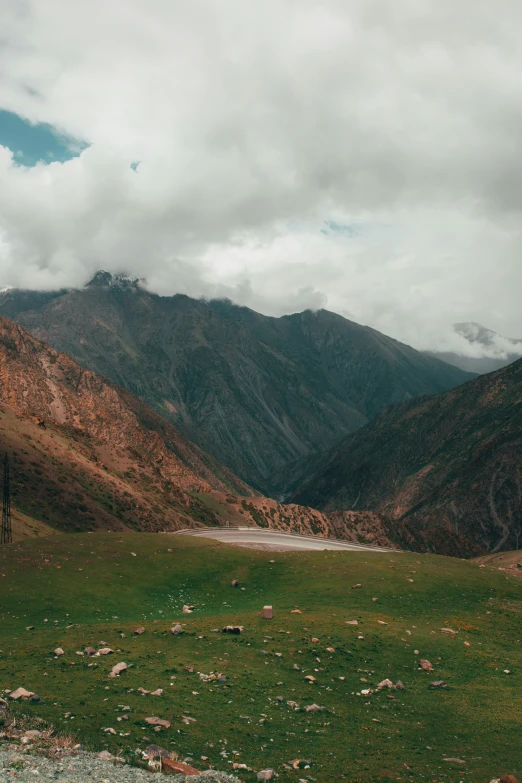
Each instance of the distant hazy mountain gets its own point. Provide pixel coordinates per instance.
(445, 471)
(266, 396)
(498, 351)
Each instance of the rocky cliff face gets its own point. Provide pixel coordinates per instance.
(265, 396)
(87, 454)
(445, 471)
(103, 453)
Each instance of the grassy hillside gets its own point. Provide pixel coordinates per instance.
(87, 589)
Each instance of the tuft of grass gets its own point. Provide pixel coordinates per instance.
(91, 588)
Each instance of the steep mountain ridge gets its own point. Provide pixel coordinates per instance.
(266, 396)
(441, 470)
(86, 454)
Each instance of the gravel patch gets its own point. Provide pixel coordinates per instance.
(88, 767)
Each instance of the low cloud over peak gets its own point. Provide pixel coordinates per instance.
(358, 156)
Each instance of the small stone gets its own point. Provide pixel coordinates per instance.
(399, 686)
(355, 586)
(352, 622)
(155, 721)
(296, 611)
(188, 609)
(106, 756)
(120, 667)
(90, 651)
(425, 665)
(508, 779)
(438, 684)
(105, 651)
(59, 651)
(234, 583)
(233, 629)
(139, 631)
(314, 708)
(454, 760)
(29, 628)
(177, 767)
(176, 629)
(386, 684)
(20, 693)
(110, 731)
(157, 692)
(265, 774)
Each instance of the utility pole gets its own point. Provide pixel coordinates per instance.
(6, 534)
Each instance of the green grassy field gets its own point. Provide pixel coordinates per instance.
(84, 589)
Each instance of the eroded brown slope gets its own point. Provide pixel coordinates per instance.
(86, 453)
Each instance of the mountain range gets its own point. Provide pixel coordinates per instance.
(267, 397)
(445, 471)
(497, 351)
(86, 454)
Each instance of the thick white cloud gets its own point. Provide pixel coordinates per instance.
(397, 123)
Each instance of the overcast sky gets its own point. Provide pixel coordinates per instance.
(359, 155)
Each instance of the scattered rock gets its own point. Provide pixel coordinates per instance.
(438, 684)
(155, 721)
(448, 631)
(330, 649)
(177, 767)
(454, 761)
(310, 678)
(508, 778)
(233, 629)
(399, 685)
(20, 693)
(106, 756)
(153, 751)
(266, 774)
(188, 609)
(176, 629)
(157, 692)
(89, 651)
(110, 731)
(296, 611)
(105, 651)
(139, 631)
(187, 719)
(425, 665)
(315, 639)
(59, 651)
(352, 622)
(314, 708)
(120, 667)
(381, 622)
(29, 628)
(354, 586)
(234, 583)
(385, 684)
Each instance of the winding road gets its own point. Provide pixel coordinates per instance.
(274, 539)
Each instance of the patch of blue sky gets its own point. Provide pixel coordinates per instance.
(333, 227)
(36, 143)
